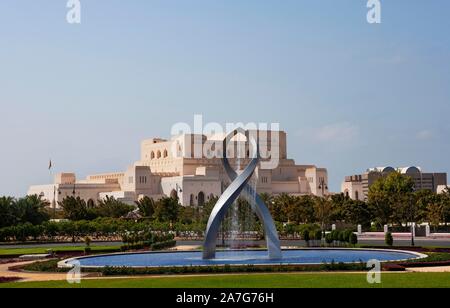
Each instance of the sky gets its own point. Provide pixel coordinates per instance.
(350, 95)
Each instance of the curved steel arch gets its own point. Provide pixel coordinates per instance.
(239, 183)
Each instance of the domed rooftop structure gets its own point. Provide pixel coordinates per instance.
(382, 169)
(410, 170)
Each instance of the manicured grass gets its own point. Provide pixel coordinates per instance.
(290, 280)
(42, 250)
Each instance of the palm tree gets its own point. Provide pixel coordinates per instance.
(323, 211)
(7, 217)
(110, 207)
(266, 198)
(146, 206)
(32, 209)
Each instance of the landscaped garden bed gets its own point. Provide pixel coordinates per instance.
(9, 279)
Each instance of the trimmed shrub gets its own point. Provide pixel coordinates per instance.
(318, 235)
(163, 245)
(329, 238)
(128, 271)
(342, 237)
(388, 239)
(305, 236)
(353, 239)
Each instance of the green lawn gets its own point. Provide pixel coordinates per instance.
(41, 250)
(292, 280)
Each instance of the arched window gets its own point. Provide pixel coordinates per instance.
(165, 153)
(201, 198)
(191, 200)
(152, 155)
(347, 194)
(356, 195)
(158, 154)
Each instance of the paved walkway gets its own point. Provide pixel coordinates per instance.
(435, 269)
(187, 247)
(25, 276)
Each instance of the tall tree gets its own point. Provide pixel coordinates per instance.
(387, 197)
(167, 210)
(435, 211)
(146, 206)
(338, 203)
(357, 212)
(7, 215)
(278, 207)
(33, 209)
(445, 199)
(428, 205)
(110, 207)
(304, 211)
(323, 211)
(74, 208)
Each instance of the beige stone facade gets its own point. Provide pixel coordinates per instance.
(357, 186)
(172, 168)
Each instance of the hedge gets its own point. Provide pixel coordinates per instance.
(163, 245)
(129, 271)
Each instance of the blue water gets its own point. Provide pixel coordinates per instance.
(242, 257)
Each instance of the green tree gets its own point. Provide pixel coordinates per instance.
(7, 215)
(303, 212)
(323, 211)
(266, 198)
(188, 214)
(356, 212)
(408, 209)
(74, 208)
(110, 207)
(445, 199)
(167, 210)
(207, 208)
(32, 209)
(281, 207)
(387, 198)
(338, 203)
(146, 207)
(434, 209)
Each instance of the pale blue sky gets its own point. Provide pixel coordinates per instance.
(350, 95)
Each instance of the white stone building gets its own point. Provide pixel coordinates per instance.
(357, 186)
(168, 168)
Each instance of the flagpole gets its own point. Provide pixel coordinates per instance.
(50, 166)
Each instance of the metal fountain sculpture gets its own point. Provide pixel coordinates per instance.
(238, 185)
